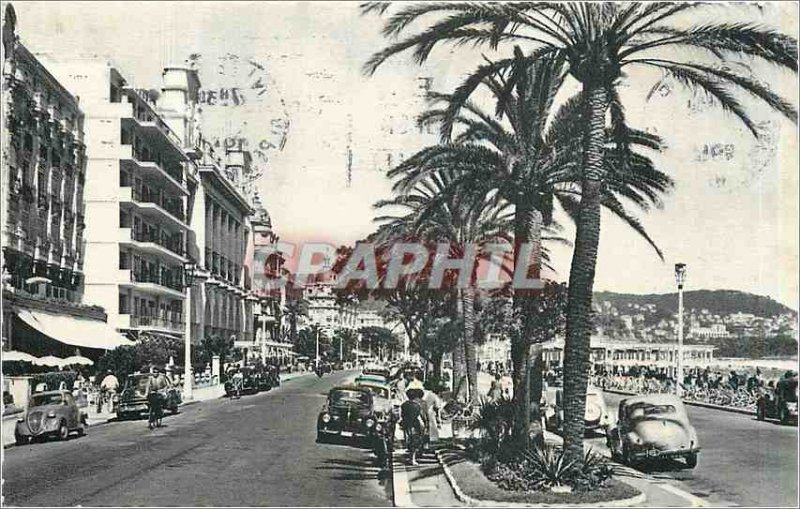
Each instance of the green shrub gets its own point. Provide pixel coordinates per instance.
(541, 468)
(495, 421)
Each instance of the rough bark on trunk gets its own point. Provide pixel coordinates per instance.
(459, 362)
(581, 277)
(520, 340)
(470, 353)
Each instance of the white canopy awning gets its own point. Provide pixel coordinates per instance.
(74, 331)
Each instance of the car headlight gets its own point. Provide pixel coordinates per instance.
(370, 423)
(51, 414)
(378, 427)
(326, 418)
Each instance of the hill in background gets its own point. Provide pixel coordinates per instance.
(717, 302)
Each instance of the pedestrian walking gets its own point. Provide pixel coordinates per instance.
(413, 420)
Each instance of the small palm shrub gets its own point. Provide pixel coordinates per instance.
(540, 468)
(495, 421)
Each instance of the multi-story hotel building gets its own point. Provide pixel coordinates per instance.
(136, 194)
(221, 300)
(44, 176)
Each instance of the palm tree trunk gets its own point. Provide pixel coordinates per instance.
(459, 361)
(535, 225)
(581, 276)
(470, 353)
(519, 339)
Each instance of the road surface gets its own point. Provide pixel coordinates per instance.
(259, 450)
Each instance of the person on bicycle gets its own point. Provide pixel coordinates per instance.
(155, 401)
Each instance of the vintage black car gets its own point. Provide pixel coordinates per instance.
(134, 398)
(779, 403)
(251, 381)
(51, 413)
(349, 412)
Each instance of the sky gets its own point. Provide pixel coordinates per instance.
(326, 133)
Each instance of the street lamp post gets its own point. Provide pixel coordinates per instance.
(680, 278)
(317, 358)
(189, 268)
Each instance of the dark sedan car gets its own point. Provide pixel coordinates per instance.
(251, 382)
(52, 413)
(349, 413)
(134, 398)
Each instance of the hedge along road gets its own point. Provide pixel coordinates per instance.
(259, 450)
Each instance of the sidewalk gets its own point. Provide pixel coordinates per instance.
(424, 485)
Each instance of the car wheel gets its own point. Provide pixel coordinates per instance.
(784, 416)
(691, 460)
(63, 431)
(761, 413)
(20, 439)
(321, 438)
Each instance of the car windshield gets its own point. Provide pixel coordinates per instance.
(644, 410)
(350, 397)
(139, 383)
(47, 399)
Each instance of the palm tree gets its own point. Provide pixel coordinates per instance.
(474, 219)
(599, 42)
(533, 164)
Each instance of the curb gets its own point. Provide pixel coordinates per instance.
(692, 403)
(473, 502)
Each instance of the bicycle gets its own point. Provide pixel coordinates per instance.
(155, 412)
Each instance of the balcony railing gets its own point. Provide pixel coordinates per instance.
(157, 322)
(163, 280)
(173, 246)
(174, 172)
(158, 199)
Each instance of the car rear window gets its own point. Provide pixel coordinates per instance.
(642, 410)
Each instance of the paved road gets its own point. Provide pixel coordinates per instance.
(256, 451)
(744, 462)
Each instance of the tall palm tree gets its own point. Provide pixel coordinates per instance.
(533, 164)
(462, 220)
(600, 42)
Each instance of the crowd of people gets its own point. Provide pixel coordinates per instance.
(735, 389)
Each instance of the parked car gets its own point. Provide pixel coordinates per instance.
(376, 370)
(378, 379)
(262, 378)
(133, 399)
(51, 413)
(596, 415)
(250, 382)
(779, 403)
(348, 412)
(651, 427)
(381, 396)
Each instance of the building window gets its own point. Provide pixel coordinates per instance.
(124, 304)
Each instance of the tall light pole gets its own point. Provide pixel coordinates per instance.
(680, 278)
(189, 268)
(317, 359)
